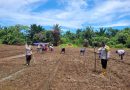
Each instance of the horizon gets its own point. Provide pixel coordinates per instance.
(71, 14)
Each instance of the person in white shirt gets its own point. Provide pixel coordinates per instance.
(39, 48)
(51, 48)
(104, 55)
(28, 54)
(121, 53)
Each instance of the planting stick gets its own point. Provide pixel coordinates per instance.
(95, 59)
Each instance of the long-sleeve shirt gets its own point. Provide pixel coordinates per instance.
(28, 50)
(104, 53)
(120, 52)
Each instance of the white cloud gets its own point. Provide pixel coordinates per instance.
(120, 23)
(75, 13)
(109, 11)
(16, 5)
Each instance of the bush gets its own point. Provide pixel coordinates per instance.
(62, 45)
(63, 41)
(112, 46)
(121, 38)
(86, 43)
(119, 46)
(128, 42)
(111, 43)
(0, 41)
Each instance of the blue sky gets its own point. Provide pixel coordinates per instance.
(67, 13)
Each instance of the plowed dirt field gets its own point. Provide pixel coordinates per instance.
(55, 71)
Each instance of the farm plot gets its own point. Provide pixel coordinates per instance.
(69, 71)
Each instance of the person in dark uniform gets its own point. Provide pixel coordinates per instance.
(62, 50)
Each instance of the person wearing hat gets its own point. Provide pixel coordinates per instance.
(104, 56)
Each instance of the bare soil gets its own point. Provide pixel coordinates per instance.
(55, 71)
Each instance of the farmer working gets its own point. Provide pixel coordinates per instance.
(62, 50)
(121, 53)
(104, 55)
(39, 48)
(28, 54)
(51, 47)
(82, 51)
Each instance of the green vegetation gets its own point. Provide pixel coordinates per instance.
(68, 45)
(19, 34)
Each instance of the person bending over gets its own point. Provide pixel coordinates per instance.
(62, 50)
(121, 53)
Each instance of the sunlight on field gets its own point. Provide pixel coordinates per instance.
(56, 71)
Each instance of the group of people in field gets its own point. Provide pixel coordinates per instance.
(44, 47)
(103, 52)
(40, 49)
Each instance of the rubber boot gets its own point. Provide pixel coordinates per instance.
(104, 72)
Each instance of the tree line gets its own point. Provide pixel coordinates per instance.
(20, 34)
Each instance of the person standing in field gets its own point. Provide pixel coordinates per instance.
(121, 53)
(43, 47)
(104, 55)
(28, 54)
(39, 48)
(51, 47)
(46, 48)
(82, 51)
